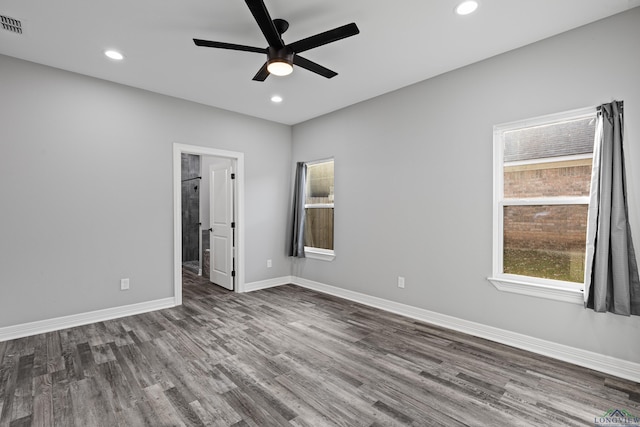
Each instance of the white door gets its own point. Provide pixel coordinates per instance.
(221, 221)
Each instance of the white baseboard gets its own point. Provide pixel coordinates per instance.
(265, 284)
(599, 362)
(43, 326)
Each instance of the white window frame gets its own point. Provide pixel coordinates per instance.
(526, 285)
(321, 253)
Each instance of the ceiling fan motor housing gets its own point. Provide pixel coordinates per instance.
(279, 61)
(279, 55)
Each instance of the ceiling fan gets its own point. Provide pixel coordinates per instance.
(280, 56)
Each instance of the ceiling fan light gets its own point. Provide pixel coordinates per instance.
(279, 67)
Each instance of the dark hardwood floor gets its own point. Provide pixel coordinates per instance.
(289, 356)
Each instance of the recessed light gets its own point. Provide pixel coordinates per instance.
(467, 7)
(276, 98)
(114, 54)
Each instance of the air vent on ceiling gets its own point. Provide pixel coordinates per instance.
(11, 24)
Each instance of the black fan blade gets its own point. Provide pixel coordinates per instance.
(221, 45)
(268, 28)
(262, 74)
(324, 38)
(312, 66)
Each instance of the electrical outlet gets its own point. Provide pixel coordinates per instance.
(124, 284)
(401, 282)
(269, 263)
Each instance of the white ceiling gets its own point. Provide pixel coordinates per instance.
(400, 43)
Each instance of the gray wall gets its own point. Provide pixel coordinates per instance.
(413, 181)
(86, 190)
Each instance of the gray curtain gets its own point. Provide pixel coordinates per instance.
(296, 246)
(611, 272)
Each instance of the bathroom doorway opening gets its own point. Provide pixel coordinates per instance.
(211, 191)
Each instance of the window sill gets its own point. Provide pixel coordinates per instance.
(317, 253)
(556, 293)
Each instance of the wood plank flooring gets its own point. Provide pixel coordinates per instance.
(288, 356)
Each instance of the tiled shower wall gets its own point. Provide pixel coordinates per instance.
(190, 207)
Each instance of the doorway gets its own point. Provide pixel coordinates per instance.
(236, 203)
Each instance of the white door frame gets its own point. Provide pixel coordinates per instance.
(178, 150)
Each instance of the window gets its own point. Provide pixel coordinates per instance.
(542, 182)
(318, 229)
